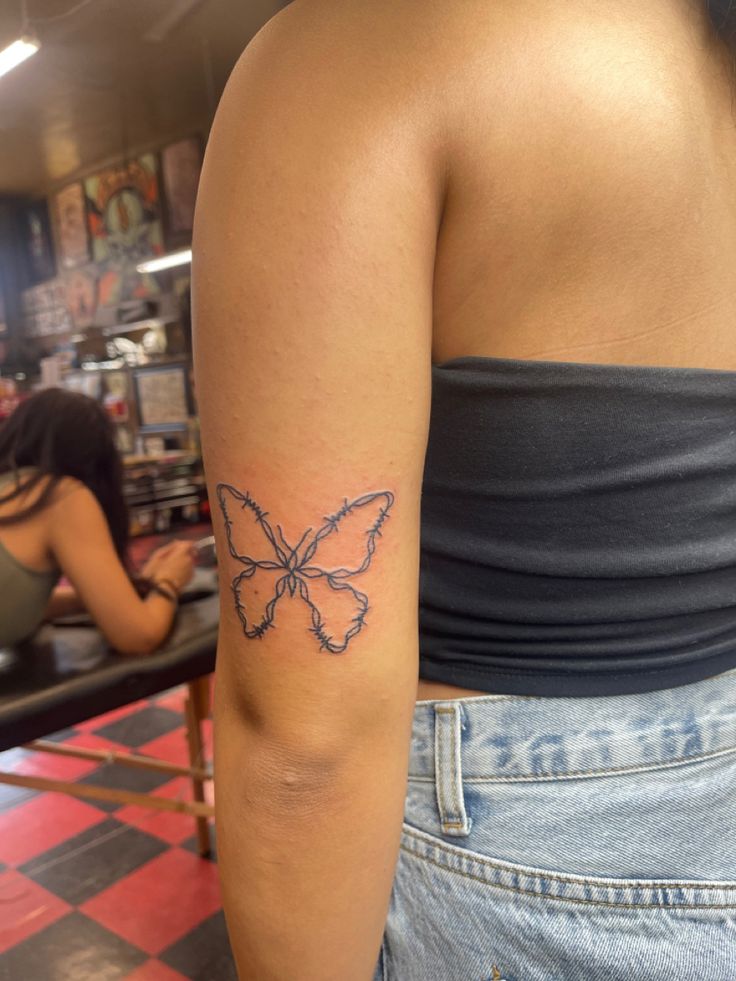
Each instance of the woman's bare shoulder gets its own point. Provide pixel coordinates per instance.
(71, 495)
(74, 511)
(32, 488)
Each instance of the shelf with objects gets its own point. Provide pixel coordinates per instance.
(157, 431)
(99, 302)
(138, 366)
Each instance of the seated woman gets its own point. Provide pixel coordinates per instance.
(62, 512)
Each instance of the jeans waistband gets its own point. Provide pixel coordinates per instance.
(515, 737)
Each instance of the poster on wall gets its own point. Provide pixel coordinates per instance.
(124, 221)
(37, 233)
(45, 312)
(181, 163)
(71, 226)
(163, 397)
(81, 296)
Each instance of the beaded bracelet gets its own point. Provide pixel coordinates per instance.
(172, 596)
(170, 582)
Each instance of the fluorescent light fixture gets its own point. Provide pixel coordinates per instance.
(17, 52)
(165, 261)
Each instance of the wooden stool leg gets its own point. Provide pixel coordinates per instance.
(197, 708)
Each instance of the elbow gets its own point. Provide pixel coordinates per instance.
(289, 780)
(139, 643)
(300, 762)
(134, 650)
(298, 782)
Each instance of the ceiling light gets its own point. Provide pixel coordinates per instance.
(170, 20)
(17, 52)
(165, 261)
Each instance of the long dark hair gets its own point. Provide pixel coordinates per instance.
(65, 434)
(723, 17)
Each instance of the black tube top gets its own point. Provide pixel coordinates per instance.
(578, 527)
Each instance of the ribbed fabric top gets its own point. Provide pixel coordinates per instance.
(578, 531)
(24, 592)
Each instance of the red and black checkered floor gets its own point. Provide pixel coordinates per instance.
(95, 891)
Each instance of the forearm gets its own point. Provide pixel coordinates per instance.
(148, 626)
(307, 849)
(82, 546)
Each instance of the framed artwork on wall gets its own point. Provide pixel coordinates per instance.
(39, 250)
(81, 295)
(181, 163)
(163, 397)
(124, 222)
(45, 312)
(70, 219)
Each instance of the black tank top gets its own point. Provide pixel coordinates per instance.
(578, 531)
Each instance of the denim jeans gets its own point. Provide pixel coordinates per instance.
(569, 839)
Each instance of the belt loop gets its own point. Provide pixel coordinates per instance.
(449, 721)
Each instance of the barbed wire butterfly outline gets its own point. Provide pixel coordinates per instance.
(335, 604)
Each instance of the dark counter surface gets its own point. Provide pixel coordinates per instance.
(66, 674)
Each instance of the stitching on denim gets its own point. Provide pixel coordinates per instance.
(599, 883)
(457, 809)
(578, 774)
(439, 766)
(567, 899)
(456, 773)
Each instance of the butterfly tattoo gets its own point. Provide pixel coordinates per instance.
(317, 567)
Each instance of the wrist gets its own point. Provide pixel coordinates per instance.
(166, 587)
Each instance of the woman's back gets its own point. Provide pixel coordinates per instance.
(27, 541)
(27, 576)
(591, 213)
(63, 511)
(590, 216)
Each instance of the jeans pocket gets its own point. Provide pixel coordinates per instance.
(552, 884)
(672, 821)
(457, 915)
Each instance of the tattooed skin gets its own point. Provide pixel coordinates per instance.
(337, 609)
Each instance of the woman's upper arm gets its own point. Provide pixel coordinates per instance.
(82, 545)
(314, 250)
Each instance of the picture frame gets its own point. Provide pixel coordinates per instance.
(37, 240)
(163, 397)
(70, 222)
(181, 165)
(124, 222)
(81, 286)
